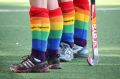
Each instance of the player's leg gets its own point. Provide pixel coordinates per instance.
(67, 40)
(82, 13)
(40, 27)
(56, 27)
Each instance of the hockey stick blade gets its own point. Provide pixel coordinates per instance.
(93, 60)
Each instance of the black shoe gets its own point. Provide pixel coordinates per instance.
(54, 62)
(30, 65)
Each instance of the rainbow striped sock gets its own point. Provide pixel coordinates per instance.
(40, 27)
(56, 27)
(68, 28)
(82, 14)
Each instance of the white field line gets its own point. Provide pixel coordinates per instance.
(111, 55)
(109, 9)
(14, 25)
(14, 10)
(99, 64)
(26, 10)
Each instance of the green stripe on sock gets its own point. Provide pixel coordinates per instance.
(68, 29)
(40, 35)
(81, 25)
(55, 34)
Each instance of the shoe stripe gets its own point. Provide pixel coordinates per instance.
(24, 63)
(31, 63)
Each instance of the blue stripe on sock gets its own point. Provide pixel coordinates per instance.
(67, 37)
(80, 33)
(53, 44)
(40, 45)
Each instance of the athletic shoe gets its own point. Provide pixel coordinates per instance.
(80, 51)
(54, 63)
(66, 53)
(30, 65)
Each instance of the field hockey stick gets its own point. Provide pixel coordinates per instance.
(93, 60)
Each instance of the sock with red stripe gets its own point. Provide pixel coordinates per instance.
(68, 25)
(40, 27)
(82, 14)
(56, 27)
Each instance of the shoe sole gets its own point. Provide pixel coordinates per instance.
(63, 60)
(45, 70)
(55, 66)
(80, 55)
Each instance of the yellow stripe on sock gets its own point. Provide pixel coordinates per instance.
(68, 21)
(40, 24)
(81, 17)
(56, 26)
(41, 27)
(37, 29)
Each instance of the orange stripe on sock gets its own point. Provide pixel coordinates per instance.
(39, 20)
(56, 19)
(86, 12)
(70, 14)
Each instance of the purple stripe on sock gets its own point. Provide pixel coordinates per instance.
(52, 53)
(80, 42)
(38, 54)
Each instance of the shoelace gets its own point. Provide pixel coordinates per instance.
(25, 58)
(65, 50)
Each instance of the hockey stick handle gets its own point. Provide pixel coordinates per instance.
(93, 60)
(93, 25)
(94, 32)
(92, 1)
(93, 12)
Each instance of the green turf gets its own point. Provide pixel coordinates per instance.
(15, 42)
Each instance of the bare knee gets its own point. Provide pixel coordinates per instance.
(38, 3)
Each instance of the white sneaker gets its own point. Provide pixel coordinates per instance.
(80, 51)
(66, 53)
